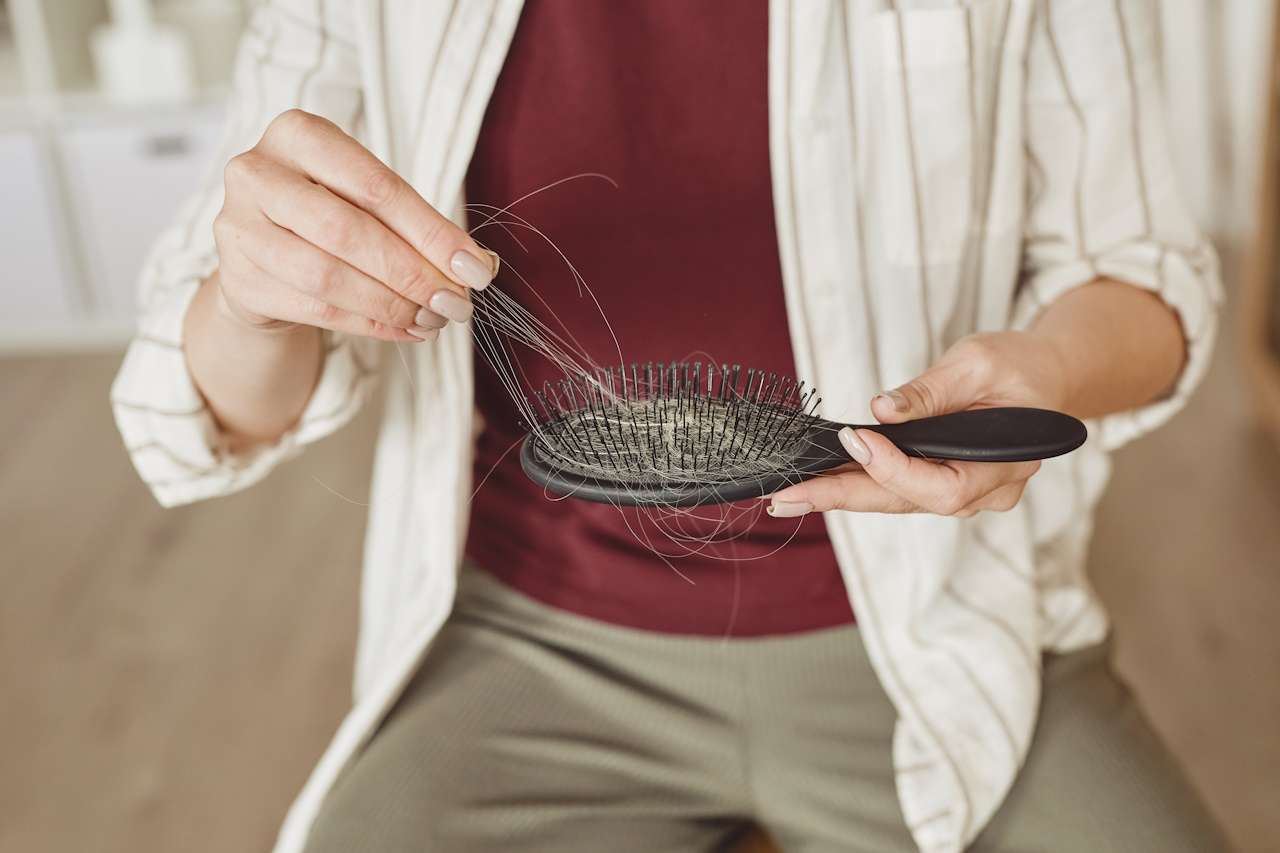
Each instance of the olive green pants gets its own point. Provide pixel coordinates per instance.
(530, 729)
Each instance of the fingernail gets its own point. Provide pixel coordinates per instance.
(468, 268)
(897, 400)
(450, 305)
(428, 319)
(854, 446)
(786, 510)
(497, 263)
(424, 334)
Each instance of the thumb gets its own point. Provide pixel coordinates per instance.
(951, 385)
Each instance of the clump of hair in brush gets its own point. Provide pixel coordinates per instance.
(669, 425)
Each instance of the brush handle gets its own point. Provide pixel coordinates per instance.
(987, 435)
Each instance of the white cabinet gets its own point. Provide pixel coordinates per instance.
(127, 175)
(36, 292)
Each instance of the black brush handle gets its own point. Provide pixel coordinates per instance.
(987, 435)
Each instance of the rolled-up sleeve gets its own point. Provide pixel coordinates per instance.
(293, 54)
(1103, 199)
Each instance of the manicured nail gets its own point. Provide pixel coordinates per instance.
(424, 334)
(854, 446)
(450, 305)
(468, 268)
(786, 510)
(428, 319)
(497, 262)
(897, 400)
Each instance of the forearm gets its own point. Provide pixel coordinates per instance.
(1119, 347)
(257, 381)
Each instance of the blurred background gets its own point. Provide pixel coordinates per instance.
(168, 678)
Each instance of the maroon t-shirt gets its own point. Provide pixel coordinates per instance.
(669, 99)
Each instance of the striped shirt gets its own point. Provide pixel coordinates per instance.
(938, 168)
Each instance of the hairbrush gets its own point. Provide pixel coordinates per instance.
(679, 436)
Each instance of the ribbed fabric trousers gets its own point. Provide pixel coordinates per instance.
(531, 729)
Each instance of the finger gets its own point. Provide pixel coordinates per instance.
(848, 488)
(301, 266)
(320, 150)
(855, 491)
(323, 219)
(1002, 499)
(853, 488)
(960, 379)
(291, 305)
(945, 488)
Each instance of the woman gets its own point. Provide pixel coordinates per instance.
(966, 204)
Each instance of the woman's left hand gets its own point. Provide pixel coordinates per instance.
(979, 371)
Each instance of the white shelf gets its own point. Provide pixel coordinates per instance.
(10, 70)
(91, 104)
(89, 182)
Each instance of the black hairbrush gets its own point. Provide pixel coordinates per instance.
(670, 436)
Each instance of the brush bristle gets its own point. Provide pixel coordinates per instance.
(678, 423)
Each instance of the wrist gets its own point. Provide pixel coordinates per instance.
(1050, 371)
(257, 380)
(232, 317)
(214, 332)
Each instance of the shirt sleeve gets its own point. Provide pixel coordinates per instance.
(1103, 199)
(293, 54)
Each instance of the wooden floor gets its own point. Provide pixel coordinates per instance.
(167, 678)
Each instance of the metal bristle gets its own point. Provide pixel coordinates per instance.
(665, 423)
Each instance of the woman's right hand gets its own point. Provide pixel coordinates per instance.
(316, 231)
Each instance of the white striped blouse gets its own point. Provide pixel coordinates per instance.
(939, 167)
